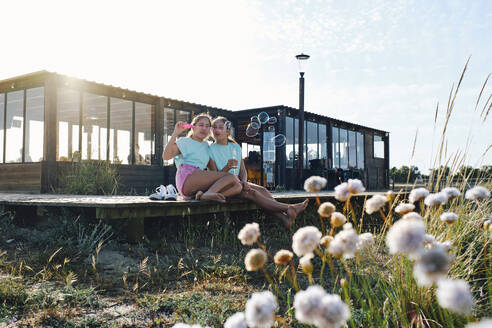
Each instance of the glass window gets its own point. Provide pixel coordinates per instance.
(335, 146)
(14, 126)
(184, 117)
(289, 146)
(168, 129)
(323, 146)
(312, 141)
(305, 148)
(94, 127)
(2, 124)
(378, 147)
(144, 133)
(360, 150)
(34, 144)
(343, 149)
(120, 132)
(68, 116)
(352, 150)
(296, 141)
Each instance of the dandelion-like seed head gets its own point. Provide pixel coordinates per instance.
(436, 199)
(487, 224)
(249, 233)
(447, 246)
(283, 257)
(342, 192)
(314, 183)
(326, 209)
(333, 312)
(417, 194)
(305, 262)
(307, 304)
(366, 240)
(406, 236)
(337, 219)
(237, 320)
(455, 295)
(432, 266)
(336, 248)
(255, 259)
(390, 196)
(375, 203)
(347, 239)
(484, 323)
(305, 240)
(412, 215)
(429, 239)
(451, 192)
(260, 310)
(404, 208)
(355, 186)
(325, 241)
(477, 193)
(449, 217)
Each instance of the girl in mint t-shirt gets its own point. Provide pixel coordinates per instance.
(191, 155)
(226, 156)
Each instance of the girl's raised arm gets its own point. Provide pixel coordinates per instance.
(172, 149)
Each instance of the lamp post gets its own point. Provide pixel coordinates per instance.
(300, 162)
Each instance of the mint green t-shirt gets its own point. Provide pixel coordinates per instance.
(222, 153)
(192, 152)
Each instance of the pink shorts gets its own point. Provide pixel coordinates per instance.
(184, 171)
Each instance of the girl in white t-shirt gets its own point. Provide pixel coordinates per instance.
(226, 156)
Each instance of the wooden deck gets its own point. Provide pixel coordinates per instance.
(136, 208)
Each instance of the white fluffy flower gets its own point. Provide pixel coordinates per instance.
(451, 192)
(307, 304)
(375, 203)
(181, 325)
(260, 309)
(436, 199)
(337, 219)
(455, 296)
(249, 233)
(445, 245)
(342, 192)
(366, 240)
(305, 240)
(305, 262)
(412, 215)
(355, 186)
(333, 312)
(404, 208)
(255, 259)
(432, 266)
(449, 217)
(477, 193)
(406, 236)
(314, 184)
(347, 239)
(484, 323)
(237, 320)
(429, 239)
(335, 248)
(417, 194)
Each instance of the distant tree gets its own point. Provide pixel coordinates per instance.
(401, 175)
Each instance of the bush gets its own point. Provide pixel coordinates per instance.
(89, 178)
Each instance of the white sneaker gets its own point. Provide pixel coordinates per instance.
(160, 193)
(172, 193)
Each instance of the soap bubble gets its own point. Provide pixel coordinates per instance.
(279, 140)
(272, 120)
(255, 119)
(228, 125)
(263, 117)
(255, 125)
(251, 132)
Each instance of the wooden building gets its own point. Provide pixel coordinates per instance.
(48, 121)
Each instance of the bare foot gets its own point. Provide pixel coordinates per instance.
(217, 196)
(299, 207)
(286, 220)
(199, 195)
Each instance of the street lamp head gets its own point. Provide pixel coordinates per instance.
(301, 59)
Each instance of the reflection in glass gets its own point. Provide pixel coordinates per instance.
(14, 126)
(360, 150)
(168, 130)
(120, 132)
(352, 150)
(144, 134)
(68, 116)
(335, 146)
(378, 147)
(2, 124)
(289, 147)
(183, 116)
(34, 125)
(343, 149)
(312, 141)
(323, 152)
(94, 127)
(296, 141)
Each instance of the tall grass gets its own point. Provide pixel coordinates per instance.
(89, 177)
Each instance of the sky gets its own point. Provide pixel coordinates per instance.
(382, 64)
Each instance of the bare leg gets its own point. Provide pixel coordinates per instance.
(299, 207)
(203, 180)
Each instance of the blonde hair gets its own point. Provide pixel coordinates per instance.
(224, 120)
(197, 118)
